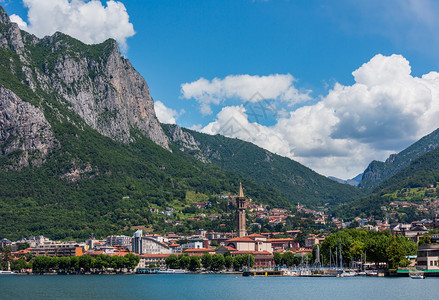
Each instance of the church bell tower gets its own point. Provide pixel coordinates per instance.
(240, 212)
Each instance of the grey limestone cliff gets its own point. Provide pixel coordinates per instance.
(93, 81)
(25, 135)
(185, 142)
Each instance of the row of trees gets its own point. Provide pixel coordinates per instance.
(77, 264)
(377, 247)
(289, 259)
(215, 262)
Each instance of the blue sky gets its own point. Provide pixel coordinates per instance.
(300, 53)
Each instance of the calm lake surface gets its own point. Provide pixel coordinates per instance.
(213, 287)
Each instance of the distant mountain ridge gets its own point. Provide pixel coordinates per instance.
(378, 171)
(422, 172)
(296, 182)
(354, 181)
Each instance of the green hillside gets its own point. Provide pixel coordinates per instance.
(414, 183)
(296, 182)
(112, 196)
(378, 171)
(90, 184)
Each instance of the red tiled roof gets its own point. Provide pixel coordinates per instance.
(23, 251)
(122, 253)
(252, 252)
(93, 252)
(255, 235)
(199, 250)
(241, 239)
(280, 240)
(157, 255)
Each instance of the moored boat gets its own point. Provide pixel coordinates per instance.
(414, 274)
(171, 271)
(7, 273)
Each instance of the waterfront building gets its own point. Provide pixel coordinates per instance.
(156, 259)
(58, 249)
(33, 242)
(194, 243)
(199, 251)
(253, 242)
(263, 259)
(148, 245)
(119, 240)
(428, 256)
(152, 246)
(136, 242)
(286, 243)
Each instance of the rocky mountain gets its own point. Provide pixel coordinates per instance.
(378, 171)
(95, 82)
(82, 152)
(296, 182)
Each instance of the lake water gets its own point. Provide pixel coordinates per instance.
(213, 287)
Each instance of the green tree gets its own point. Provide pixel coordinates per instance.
(85, 263)
(228, 261)
(206, 260)
(217, 262)
(238, 262)
(74, 263)
(395, 255)
(248, 260)
(172, 262)
(184, 261)
(117, 262)
(100, 263)
(19, 264)
(64, 263)
(376, 248)
(132, 261)
(277, 258)
(194, 263)
(288, 259)
(41, 264)
(357, 248)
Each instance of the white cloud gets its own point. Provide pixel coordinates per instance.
(89, 21)
(164, 114)
(244, 87)
(17, 19)
(383, 112)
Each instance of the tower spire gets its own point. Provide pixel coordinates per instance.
(240, 212)
(241, 192)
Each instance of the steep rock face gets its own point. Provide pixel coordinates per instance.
(25, 135)
(107, 93)
(4, 18)
(186, 142)
(94, 81)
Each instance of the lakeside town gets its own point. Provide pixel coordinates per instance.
(237, 251)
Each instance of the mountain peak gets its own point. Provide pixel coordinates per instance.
(4, 17)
